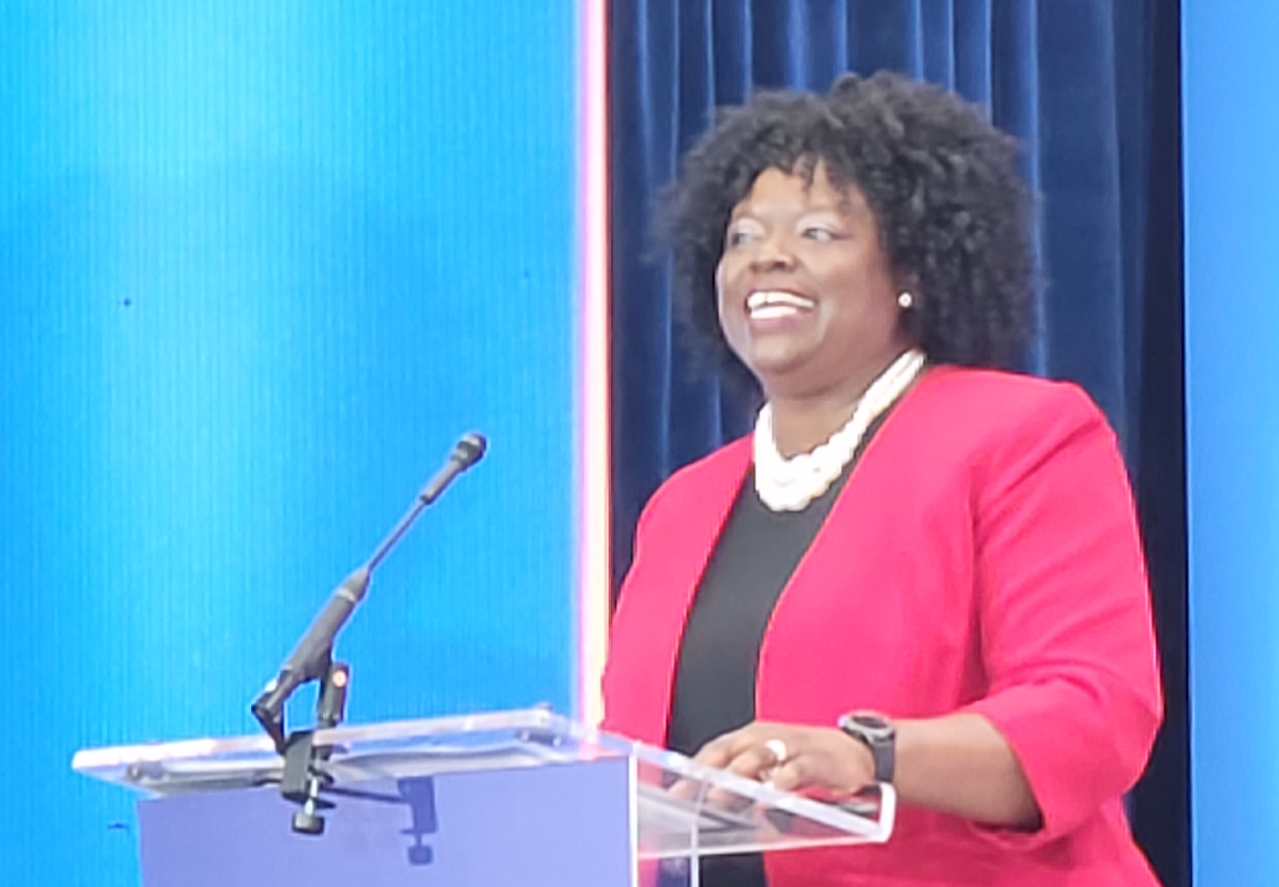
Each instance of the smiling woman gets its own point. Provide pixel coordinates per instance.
(921, 568)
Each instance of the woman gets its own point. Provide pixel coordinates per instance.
(919, 569)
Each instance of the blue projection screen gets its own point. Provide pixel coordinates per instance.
(1232, 318)
(261, 262)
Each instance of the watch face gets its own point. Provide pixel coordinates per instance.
(873, 726)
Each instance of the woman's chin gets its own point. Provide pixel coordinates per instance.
(775, 371)
(786, 380)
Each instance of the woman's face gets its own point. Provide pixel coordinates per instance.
(806, 296)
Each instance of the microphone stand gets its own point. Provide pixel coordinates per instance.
(312, 660)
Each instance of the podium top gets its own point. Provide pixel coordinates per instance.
(684, 808)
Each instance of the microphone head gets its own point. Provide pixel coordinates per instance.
(470, 448)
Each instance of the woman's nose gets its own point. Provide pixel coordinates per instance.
(772, 253)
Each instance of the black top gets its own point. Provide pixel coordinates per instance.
(757, 551)
(714, 683)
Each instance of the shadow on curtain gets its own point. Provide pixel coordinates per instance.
(1091, 88)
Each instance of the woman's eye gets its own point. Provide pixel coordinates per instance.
(821, 234)
(738, 237)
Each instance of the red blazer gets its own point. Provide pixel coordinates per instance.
(983, 556)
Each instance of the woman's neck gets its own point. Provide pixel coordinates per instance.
(801, 423)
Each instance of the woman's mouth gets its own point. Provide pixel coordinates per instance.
(765, 305)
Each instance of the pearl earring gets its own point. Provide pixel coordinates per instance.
(905, 301)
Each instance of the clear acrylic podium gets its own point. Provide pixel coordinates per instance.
(509, 798)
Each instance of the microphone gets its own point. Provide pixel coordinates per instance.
(311, 658)
(468, 450)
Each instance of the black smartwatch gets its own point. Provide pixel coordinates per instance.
(878, 734)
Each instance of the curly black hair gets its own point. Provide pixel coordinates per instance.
(954, 215)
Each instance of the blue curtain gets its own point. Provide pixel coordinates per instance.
(1090, 87)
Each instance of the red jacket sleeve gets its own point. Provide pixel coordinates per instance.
(1066, 632)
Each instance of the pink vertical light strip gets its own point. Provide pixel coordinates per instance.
(593, 391)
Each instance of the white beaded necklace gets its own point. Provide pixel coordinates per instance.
(791, 484)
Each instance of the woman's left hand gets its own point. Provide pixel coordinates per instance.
(821, 761)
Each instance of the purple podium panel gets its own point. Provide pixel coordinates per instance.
(560, 824)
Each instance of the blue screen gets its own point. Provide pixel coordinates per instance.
(1232, 317)
(261, 263)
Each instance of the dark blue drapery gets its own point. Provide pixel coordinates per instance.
(1091, 89)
